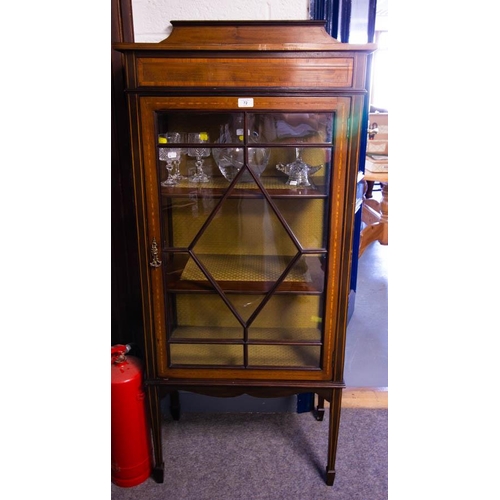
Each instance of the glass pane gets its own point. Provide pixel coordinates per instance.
(195, 133)
(229, 127)
(188, 122)
(202, 316)
(294, 127)
(173, 266)
(245, 305)
(184, 216)
(183, 273)
(301, 167)
(245, 241)
(289, 317)
(233, 130)
(244, 204)
(206, 354)
(306, 275)
(307, 218)
(284, 356)
(230, 160)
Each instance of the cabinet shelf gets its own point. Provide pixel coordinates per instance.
(235, 335)
(228, 355)
(217, 187)
(244, 274)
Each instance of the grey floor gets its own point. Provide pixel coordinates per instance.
(366, 361)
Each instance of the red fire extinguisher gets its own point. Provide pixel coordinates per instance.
(130, 437)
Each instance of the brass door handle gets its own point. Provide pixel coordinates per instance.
(154, 253)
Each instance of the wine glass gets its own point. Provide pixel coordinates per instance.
(196, 140)
(169, 155)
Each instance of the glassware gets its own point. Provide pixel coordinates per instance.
(230, 160)
(298, 171)
(199, 152)
(169, 155)
(177, 173)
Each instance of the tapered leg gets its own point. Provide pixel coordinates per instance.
(333, 434)
(175, 405)
(156, 432)
(320, 409)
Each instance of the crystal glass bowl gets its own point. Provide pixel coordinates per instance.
(231, 160)
(298, 171)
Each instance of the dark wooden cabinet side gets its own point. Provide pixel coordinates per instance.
(126, 315)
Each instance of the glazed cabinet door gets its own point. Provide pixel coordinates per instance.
(245, 202)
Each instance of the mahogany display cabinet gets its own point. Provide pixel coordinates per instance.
(245, 151)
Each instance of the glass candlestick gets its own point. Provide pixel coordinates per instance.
(198, 151)
(170, 156)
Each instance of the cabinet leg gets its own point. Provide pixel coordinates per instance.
(175, 405)
(158, 474)
(330, 477)
(333, 434)
(156, 432)
(320, 409)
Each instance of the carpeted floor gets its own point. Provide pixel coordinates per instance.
(269, 456)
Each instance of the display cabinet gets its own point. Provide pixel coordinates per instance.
(245, 140)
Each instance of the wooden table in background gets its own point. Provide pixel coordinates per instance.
(375, 214)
